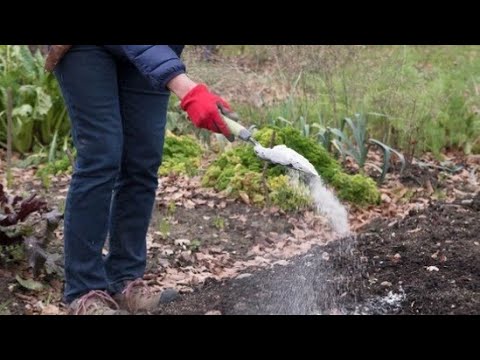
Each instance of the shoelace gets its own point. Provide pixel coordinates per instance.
(138, 284)
(83, 302)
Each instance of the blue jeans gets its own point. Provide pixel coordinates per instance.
(118, 127)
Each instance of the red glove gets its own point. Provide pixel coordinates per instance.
(203, 109)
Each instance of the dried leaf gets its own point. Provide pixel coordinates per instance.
(299, 234)
(189, 204)
(216, 250)
(281, 262)
(29, 206)
(386, 199)
(50, 310)
(174, 197)
(29, 284)
(402, 193)
(182, 242)
(244, 197)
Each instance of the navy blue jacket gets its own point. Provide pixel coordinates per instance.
(159, 63)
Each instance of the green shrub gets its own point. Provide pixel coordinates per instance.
(240, 170)
(181, 155)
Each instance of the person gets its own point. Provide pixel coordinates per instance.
(117, 98)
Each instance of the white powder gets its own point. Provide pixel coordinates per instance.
(324, 200)
(329, 206)
(283, 155)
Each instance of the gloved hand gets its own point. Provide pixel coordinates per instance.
(205, 108)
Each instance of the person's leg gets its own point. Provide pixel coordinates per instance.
(144, 112)
(88, 79)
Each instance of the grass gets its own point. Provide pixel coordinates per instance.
(4, 307)
(219, 223)
(419, 98)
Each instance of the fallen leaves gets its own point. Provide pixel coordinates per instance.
(386, 199)
(240, 218)
(29, 284)
(244, 197)
(50, 309)
(215, 263)
(182, 242)
(189, 204)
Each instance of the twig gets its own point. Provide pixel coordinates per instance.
(264, 174)
(70, 157)
(25, 297)
(9, 134)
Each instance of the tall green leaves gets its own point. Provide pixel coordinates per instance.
(387, 155)
(354, 143)
(39, 113)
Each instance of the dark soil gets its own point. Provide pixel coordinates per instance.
(427, 263)
(234, 228)
(415, 175)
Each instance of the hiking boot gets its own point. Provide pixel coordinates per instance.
(138, 297)
(96, 302)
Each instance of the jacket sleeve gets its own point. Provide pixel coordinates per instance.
(159, 63)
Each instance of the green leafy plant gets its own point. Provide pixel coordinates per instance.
(357, 146)
(171, 208)
(239, 171)
(20, 237)
(195, 245)
(12, 253)
(291, 196)
(219, 223)
(387, 154)
(39, 113)
(324, 136)
(181, 155)
(164, 228)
